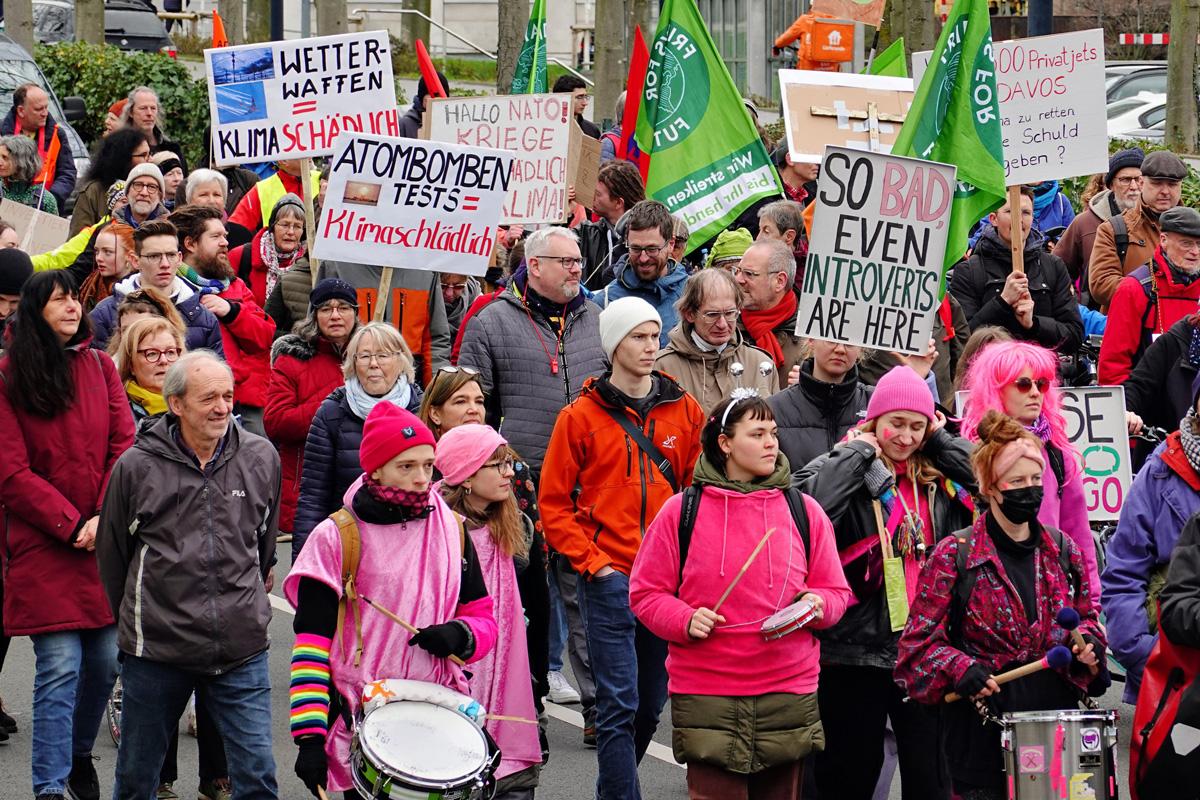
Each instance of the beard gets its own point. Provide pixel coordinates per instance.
(143, 208)
(216, 267)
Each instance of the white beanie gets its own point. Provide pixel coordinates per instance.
(620, 317)
(147, 171)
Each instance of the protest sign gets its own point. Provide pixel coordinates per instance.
(548, 147)
(843, 109)
(1051, 95)
(874, 265)
(291, 99)
(411, 203)
(868, 12)
(38, 231)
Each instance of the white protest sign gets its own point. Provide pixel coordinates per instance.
(1052, 105)
(874, 263)
(38, 231)
(411, 203)
(285, 100)
(538, 127)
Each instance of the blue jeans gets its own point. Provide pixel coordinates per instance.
(558, 627)
(630, 670)
(155, 696)
(75, 674)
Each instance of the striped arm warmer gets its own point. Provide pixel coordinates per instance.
(309, 691)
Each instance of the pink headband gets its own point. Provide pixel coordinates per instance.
(1014, 452)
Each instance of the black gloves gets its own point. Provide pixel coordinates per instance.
(311, 765)
(449, 638)
(973, 681)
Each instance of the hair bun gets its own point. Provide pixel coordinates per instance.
(999, 428)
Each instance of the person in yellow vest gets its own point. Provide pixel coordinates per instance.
(254, 211)
(30, 116)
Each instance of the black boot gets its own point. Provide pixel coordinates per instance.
(83, 783)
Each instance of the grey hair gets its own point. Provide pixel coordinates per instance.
(127, 112)
(201, 176)
(23, 154)
(681, 228)
(779, 257)
(385, 336)
(619, 109)
(699, 284)
(538, 243)
(175, 384)
(787, 215)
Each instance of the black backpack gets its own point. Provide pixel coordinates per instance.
(1121, 239)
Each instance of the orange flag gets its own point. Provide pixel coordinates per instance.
(219, 37)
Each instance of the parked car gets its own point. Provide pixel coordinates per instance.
(128, 24)
(1131, 78)
(1140, 111)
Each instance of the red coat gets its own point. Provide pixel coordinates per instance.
(247, 339)
(302, 375)
(52, 476)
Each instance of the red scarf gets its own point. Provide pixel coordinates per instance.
(762, 325)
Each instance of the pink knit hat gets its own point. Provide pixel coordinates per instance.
(463, 450)
(901, 389)
(388, 432)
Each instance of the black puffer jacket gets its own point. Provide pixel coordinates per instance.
(864, 637)
(331, 462)
(1159, 390)
(814, 415)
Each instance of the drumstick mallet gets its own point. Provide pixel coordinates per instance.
(750, 560)
(1068, 620)
(1056, 658)
(408, 626)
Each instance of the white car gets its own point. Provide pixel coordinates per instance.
(1131, 113)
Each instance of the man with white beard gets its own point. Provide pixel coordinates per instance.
(1122, 188)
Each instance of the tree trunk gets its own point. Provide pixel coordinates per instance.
(258, 20)
(612, 55)
(331, 17)
(418, 28)
(513, 17)
(921, 26)
(1180, 133)
(233, 16)
(89, 21)
(18, 22)
(639, 13)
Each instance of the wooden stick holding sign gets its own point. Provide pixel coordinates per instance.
(381, 300)
(1014, 229)
(310, 222)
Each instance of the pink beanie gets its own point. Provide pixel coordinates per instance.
(388, 432)
(463, 450)
(901, 389)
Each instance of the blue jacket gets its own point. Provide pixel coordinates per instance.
(661, 293)
(203, 329)
(1165, 494)
(331, 462)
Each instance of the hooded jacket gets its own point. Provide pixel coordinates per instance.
(1104, 271)
(456, 312)
(662, 292)
(1159, 389)
(64, 167)
(704, 374)
(1075, 246)
(603, 248)
(203, 329)
(978, 283)
(184, 552)
(813, 415)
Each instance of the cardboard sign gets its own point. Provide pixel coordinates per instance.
(291, 99)
(868, 12)
(39, 232)
(1052, 105)
(864, 112)
(874, 264)
(549, 147)
(396, 202)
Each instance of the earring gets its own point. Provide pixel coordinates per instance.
(467, 486)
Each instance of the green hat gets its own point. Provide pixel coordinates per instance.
(729, 245)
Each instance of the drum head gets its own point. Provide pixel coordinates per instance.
(429, 744)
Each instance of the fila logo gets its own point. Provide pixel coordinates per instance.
(669, 442)
(238, 493)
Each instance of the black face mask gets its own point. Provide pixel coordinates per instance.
(1021, 505)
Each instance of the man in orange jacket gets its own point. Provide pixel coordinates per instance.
(625, 445)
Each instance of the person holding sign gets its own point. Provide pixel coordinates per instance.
(896, 485)
(961, 634)
(1033, 304)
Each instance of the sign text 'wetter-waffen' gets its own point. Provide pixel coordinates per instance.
(283, 100)
(874, 267)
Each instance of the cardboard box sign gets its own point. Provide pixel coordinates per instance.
(842, 109)
(831, 41)
(39, 232)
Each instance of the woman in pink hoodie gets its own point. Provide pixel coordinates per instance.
(744, 708)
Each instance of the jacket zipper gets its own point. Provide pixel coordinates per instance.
(212, 556)
(642, 477)
(139, 639)
(628, 459)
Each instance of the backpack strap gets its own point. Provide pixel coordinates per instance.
(351, 555)
(1057, 466)
(964, 584)
(1120, 237)
(795, 500)
(1064, 559)
(687, 523)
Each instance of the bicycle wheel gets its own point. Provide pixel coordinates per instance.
(113, 712)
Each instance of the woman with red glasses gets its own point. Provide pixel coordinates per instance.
(1021, 380)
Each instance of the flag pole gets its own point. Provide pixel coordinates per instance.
(871, 55)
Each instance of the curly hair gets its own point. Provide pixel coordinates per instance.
(113, 158)
(997, 366)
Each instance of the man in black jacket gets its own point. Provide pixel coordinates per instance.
(1035, 305)
(30, 116)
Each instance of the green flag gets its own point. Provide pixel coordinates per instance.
(955, 119)
(530, 77)
(890, 62)
(707, 162)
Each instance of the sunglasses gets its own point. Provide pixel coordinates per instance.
(452, 370)
(1025, 384)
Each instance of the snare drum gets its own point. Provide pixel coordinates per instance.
(788, 620)
(1056, 754)
(416, 749)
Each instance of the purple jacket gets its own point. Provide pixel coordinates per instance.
(1070, 516)
(1165, 494)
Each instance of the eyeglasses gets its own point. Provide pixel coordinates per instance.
(452, 370)
(1128, 180)
(141, 155)
(335, 308)
(1025, 384)
(1187, 243)
(712, 316)
(635, 250)
(293, 227)
(158, 258)
(138, 187)
(678, 240)
(751, 275)
(458, 287)
(152, 355)
(566, 261)
(507, 465)
(382, 358)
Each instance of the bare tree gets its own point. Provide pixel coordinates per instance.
(258, 20)
(1180, 134)
(331, 17)
(612, 54)
(18, 22)
(418, 27)
(234, 18)
(89, 21)
(513, 17)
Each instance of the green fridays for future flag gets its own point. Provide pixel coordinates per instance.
(707, 163)
(530, 77)
(955, 119)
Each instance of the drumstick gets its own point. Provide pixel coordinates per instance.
(1057, 657)
(1068, 619)
(321, 794)
(506, 718)
(753, 555)
(408, 626)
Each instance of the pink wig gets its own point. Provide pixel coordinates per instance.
(999, 364)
